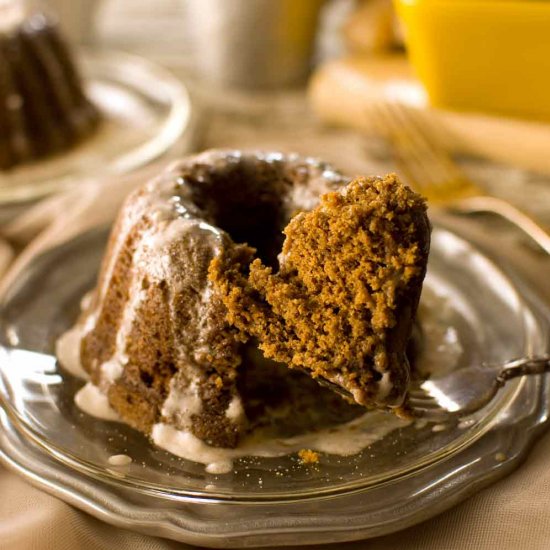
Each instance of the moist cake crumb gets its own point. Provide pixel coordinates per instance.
(342, 303)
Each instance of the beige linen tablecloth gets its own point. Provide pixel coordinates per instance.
(513, 513)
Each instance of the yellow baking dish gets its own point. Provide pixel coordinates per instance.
(484, 55)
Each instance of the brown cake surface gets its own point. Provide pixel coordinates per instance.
(342, 302)
(43, 108)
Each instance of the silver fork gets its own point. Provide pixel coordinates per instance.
(468, 390)
(462, 392)
(417, 144)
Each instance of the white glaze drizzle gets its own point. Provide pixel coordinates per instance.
(112, 369)
(235, 410)
(183, 402)
(119, 460)
(94, 402)
(67, 351)
(385, 386)
(343, 440)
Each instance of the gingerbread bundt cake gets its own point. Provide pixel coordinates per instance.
(181, 298)
(43, 108)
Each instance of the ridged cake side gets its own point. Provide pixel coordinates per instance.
(156, 341)
(154, 335)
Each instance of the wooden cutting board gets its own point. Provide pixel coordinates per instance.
(340, 92)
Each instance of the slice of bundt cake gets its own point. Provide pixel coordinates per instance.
(43, 108)
(342, 302)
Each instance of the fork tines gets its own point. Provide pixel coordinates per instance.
(417, 145)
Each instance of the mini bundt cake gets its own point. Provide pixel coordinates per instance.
(154, 334)
(43, 108)
(187, 289)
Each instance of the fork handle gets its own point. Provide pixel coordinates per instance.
(522, 367)
(509, 212)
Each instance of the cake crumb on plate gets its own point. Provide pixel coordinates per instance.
(307, 456)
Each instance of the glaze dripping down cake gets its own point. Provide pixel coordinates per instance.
(194, 280)
(43, 107)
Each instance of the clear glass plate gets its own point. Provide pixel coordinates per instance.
(146, 111)
(411, 474)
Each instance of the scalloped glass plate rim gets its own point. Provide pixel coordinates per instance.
(102, 474)
(351, 487)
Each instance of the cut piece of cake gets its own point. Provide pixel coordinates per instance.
(342, 304)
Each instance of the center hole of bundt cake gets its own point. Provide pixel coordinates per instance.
(248, 202)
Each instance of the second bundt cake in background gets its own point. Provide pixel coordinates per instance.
(43, 107)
